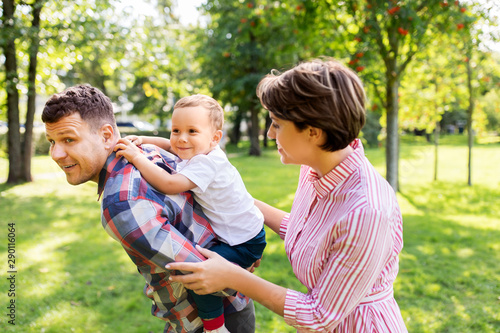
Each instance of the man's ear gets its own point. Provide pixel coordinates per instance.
(108, 135)
(216, 138)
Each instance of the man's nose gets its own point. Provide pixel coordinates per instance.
(57, 152)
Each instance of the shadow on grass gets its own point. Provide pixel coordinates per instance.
(71, 276)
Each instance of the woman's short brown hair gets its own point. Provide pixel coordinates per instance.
(216, 113)
(320, 93)
(94, 107)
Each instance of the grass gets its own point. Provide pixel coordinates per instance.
(72, 277)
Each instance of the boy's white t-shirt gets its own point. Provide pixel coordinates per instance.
(223, 196)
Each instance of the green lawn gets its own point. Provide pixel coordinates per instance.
(72, 277)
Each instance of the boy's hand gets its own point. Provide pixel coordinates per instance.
(127, 149)
(136, 140)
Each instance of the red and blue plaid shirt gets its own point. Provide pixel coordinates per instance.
(156, 229)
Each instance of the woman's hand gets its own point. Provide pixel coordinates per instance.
(208, 276)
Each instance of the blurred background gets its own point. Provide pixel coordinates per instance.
(430, 67)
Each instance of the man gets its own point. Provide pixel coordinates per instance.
(153, 228)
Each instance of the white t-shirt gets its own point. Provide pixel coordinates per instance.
(223, 196)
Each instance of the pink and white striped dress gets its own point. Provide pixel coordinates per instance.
(343, 237)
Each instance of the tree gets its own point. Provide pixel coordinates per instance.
(475, 50)
(19, 148)
(380, 39)
(242, 42)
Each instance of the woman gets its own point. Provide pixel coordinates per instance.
(344, 232)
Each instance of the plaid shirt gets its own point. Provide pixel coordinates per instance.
(156, 229)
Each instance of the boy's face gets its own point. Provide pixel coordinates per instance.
(193, 132)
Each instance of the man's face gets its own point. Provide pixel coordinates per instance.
(80, 152)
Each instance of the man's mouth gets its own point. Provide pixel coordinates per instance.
(67, 166)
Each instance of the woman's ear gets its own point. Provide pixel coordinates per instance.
(315, 134)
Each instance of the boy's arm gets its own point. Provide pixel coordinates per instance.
(163, 143)
(155, 175)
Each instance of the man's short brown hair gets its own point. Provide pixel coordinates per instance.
(94, 107)
(216, 113)
(321, 93)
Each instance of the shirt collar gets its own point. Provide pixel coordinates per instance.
(106, 170)
(337, 175)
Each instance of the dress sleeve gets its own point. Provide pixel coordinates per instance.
(359, 251)
(284, 226)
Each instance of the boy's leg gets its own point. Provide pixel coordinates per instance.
(240, 322)
(210, 310)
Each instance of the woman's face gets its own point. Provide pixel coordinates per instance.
(293, 145)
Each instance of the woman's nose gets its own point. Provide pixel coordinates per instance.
(271, 133)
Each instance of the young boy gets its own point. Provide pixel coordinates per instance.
(205, 170)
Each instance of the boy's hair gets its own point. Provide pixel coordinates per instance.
(216, 113)
(321, 93)
(94, 107)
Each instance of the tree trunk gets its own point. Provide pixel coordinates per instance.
(254, 105)
(254, 132)
(31, 107)
(436, 146)
(235, 133)
(437, 130)
(470, 110)
(266, 129)
(392, 149)
(11, 79)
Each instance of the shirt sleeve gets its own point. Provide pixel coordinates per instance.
(201, 170)
(360, 249)
(143, 229)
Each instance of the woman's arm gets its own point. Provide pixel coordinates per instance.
(217, 274)
(272, 216)
(156, 176)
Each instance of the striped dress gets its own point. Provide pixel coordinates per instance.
(342, 237)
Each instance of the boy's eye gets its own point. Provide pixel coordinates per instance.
(192, 131)
(175, 131)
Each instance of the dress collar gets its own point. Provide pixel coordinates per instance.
(337, 175)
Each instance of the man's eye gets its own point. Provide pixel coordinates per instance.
(69, 140)
(51, 142)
